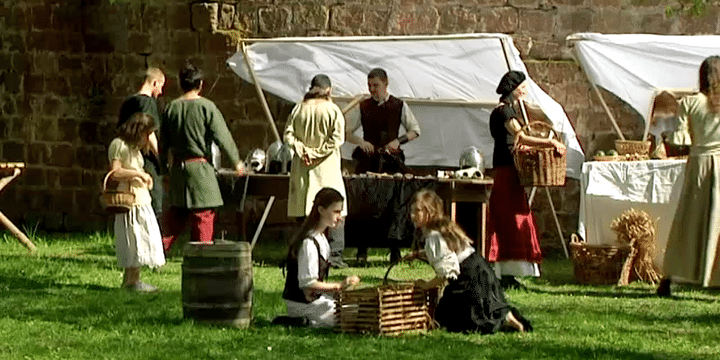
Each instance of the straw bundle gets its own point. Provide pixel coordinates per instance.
(636, 229)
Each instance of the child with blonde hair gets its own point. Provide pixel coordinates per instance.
(137, 234)
(473, 299)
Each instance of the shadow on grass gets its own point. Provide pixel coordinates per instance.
(680, 292)
(100, 249)
(456, 345)
(78, 257)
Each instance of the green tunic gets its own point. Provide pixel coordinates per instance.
(188, 129)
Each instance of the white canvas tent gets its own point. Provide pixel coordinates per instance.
(449, 82)
(635, 67)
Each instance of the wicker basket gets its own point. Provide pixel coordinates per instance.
(597, 264)
(606, 158)
(386, 309)
(539, 166)
(114, 201)
(632, 147)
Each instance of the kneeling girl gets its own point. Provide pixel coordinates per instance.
(473, 299)
(307, 292)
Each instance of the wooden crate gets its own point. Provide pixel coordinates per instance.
(386, 309)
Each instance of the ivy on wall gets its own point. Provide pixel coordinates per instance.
(689, 7)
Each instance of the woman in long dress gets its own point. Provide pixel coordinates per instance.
(315, 130)
(513, 248)
(473, 299)
(692, 251)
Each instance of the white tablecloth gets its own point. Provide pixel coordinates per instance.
(609, 188)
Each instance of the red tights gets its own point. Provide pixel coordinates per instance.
(202, 225)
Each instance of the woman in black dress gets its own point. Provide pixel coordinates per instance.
(473, 299)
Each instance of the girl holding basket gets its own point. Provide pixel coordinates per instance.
(137, 234)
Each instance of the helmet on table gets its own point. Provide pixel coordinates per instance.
(279, 158)
(255, 160)
(472, 157)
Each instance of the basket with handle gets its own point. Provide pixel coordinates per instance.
(539, 165)
(387, 309)
(114, 201)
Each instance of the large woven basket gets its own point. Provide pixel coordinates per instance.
(539, 166)
(597, 264)
(115, 201)
(389, 309)
(632, 147)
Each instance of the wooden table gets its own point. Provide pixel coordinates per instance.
(276, 187)
(8, 172)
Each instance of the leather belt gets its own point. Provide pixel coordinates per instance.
(195, 159)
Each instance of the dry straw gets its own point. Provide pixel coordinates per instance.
(636, 229)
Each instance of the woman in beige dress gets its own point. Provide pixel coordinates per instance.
(315, 130)
(692, 252)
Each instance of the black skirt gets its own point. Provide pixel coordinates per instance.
(475, 301)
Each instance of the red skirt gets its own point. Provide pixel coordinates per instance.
(512, 227)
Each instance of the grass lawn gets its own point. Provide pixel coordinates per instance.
(64, 302)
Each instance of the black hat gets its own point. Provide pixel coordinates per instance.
(321, 81)
(509, 82)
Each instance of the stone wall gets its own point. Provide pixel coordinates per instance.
(67, 65)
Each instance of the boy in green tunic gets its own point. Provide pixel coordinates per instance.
(190, 125)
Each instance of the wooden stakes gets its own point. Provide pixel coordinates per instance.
(14, 169)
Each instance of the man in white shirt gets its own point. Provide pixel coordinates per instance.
(379, 149)
(380, 117)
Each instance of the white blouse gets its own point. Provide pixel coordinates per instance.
(445, 261)
(308, 271)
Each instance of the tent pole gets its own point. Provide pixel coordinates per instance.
(371, 38)
(599, 95)
(557, 223)
(503, 43)
(459, 103)
(260, 94)
(648, 119)
(607, 110)
(353, 103)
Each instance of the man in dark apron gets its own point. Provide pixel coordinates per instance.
(379, 149)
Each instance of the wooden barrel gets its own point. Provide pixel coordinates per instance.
(217, 283)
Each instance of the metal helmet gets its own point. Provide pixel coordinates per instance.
(279, 158)
(472, 157)
(255, 160)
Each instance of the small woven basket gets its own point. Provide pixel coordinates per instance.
(606, 158)
(632, 147)
(597, 264)
(539, 166)
(114, 201)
